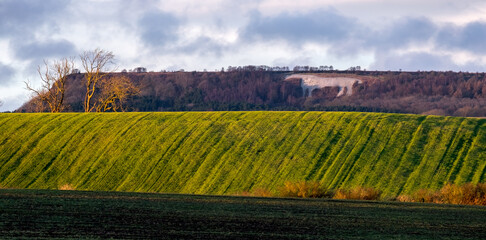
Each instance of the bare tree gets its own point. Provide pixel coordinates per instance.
(97, 64)
(53, 77)
(114, 92)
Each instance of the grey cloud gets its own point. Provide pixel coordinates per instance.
(21, 17)
(402, 33)
(203, 46)
(39, 50)
(36, 52)
(13, 102)
(6, 73)
(414, 62)
(345, 35)
(158, 28)
(320, 26)
(297, 60)
(470, 37)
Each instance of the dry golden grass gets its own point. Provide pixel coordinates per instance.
(259, 192)
(262, 192)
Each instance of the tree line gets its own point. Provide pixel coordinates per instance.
(99, 88)
(102, 91)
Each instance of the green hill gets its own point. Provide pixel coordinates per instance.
(230, 152)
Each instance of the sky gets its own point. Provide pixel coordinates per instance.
(410, 35)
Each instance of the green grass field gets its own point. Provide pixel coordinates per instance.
(230, 152)
(34, 214)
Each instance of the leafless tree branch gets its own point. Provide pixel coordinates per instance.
(97, 64)
(53, 82)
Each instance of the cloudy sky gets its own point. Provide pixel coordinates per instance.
(195, 35)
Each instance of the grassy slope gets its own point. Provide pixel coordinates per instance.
(230, 152)
(34, 214)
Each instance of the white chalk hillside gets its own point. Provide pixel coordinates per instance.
(312, 82)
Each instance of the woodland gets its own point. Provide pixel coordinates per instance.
(430, 93)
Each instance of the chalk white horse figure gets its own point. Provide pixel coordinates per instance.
(312, 82)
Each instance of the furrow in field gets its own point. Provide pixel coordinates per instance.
(409, 159)
(326, 134)
(102, 143)
(457, 167)
(356, 153)
(341, 136)
(443, 166)
(292, 165)
(371, 153)
(166, 131)
(438, 139)
(232, 152)
(472, 169)
(349, 141)
(194, 150)
(16, 170)
(381, 171)
(52, 167)
(165, 168)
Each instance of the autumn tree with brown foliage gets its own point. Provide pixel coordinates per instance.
(114, 92)
(53, 77)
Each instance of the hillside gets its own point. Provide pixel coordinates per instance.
(430, 93)
(231, 152)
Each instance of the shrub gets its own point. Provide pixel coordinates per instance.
(469, 194)
(424, 195)
(303, 189)
(66, 187)
(451, 193)
(466, 194)
(481, 199)
(341, 194)
(472, 194)
(358, 193)
(404, 198)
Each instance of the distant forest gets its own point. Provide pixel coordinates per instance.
(437, 93)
